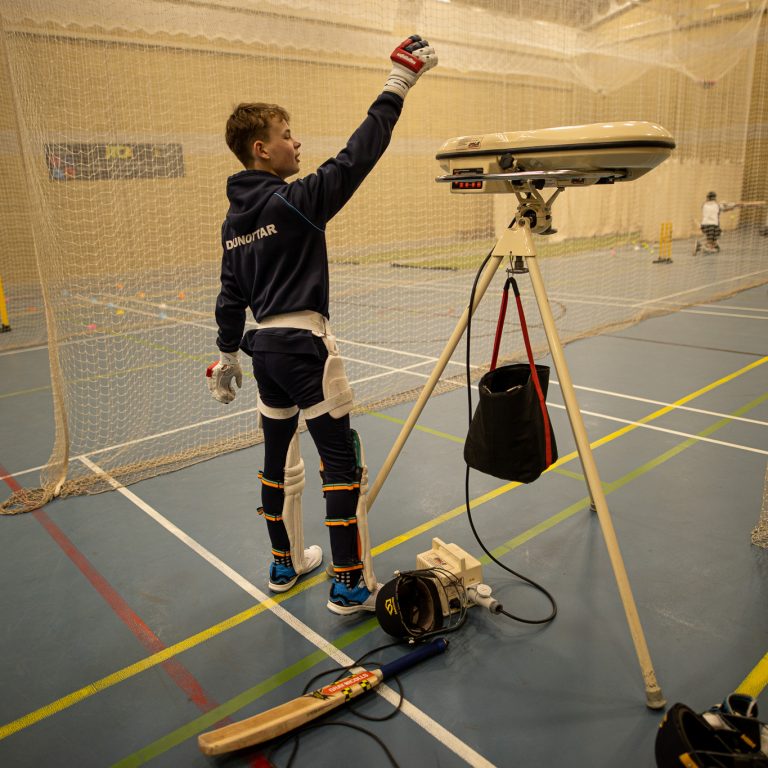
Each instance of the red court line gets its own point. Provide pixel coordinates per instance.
(177, 672)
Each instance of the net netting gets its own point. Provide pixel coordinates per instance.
(112, 190)
(760, 531)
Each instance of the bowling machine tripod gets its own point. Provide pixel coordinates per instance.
(526, 163)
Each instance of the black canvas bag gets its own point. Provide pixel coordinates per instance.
(510, 435)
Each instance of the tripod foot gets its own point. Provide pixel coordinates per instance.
(654, 698)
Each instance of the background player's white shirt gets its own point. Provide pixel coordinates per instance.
(710, 213)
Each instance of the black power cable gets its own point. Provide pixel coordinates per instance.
(535, 585)
(296, 737)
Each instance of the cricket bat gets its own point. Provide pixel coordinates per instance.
(285, 717)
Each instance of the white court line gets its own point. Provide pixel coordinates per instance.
(742, 309)
(25, 349)
(474, 386)
(661, 402)
(721, 314)
(365, 345)
(235, 414)
(113, 305)
(390, 371)
(213, 329)
(563, 297)
(599, 302)
(618, 301)
(700, 287)
(96, 336)
(667, 431)
(249, 323)
(464, 751)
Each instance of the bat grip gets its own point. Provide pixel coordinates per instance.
(422, 652)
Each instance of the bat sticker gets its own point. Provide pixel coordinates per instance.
(346, 684)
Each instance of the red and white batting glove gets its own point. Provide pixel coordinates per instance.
(223, 375)
(411, 59)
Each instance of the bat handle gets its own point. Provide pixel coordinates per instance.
(421, 653)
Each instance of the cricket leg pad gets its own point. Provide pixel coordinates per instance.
(293, 487)
(347, 519)
(363, 534)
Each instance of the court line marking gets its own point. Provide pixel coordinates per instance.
(620, 482)
(701, 287)
(190, 642)
(668, 431)
(456, 511)
(184, 732)
(754, 683)
(126, 673)
(204, 722)
(734, 306)
(661, 402)
(605, 300)
(113, 305)
(667, 407)
(173, 667)
(36, 348)
(431, 726)
(722, 314)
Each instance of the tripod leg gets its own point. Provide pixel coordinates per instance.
(485, 279)
(653, 694)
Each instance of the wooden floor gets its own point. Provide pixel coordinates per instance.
(134, 620)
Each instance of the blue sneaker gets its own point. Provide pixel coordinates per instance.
(283, 577)
(345, 600)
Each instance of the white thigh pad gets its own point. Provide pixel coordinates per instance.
(273, 413)
(336, 390)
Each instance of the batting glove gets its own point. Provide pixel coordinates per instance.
(411, 59)
(222, 377)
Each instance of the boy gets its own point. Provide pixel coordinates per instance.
(275, 261)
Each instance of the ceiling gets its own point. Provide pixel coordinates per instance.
(586, 14)
(572, 13)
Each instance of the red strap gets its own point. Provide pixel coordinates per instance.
(500, 326)
(529, 352)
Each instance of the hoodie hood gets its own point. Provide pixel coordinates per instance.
(248, 192)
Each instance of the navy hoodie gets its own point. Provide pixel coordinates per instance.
(274, 252)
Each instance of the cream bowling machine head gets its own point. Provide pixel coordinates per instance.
(524, 162)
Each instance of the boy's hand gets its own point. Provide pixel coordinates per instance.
(411, 59)
(222, 377)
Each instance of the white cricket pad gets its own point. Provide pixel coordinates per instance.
(292, 513)
(361, 513)
(336, 390)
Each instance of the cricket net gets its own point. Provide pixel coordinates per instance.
(760, 531)
(113, 168)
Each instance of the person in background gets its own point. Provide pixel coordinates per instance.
(710, 222)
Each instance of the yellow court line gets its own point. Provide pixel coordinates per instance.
(756, 680)
(682, 401)
(207, 634)
(132, 669)
(456, 511)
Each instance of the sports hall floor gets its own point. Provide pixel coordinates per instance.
(134, 620)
